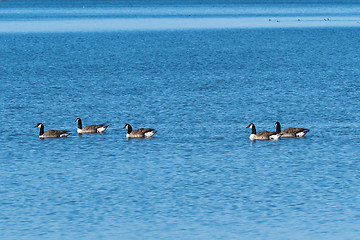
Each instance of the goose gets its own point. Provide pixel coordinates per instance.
(90, 128)
(264, 135)
(139, 133)
(291, 132)
(51, 133)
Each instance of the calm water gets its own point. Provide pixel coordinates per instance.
(200, 177)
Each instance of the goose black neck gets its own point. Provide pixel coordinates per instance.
(129, 129)
(278, 128)
(79, 124)
(253, 129)
(41, 130)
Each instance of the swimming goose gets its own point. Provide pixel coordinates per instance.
(51, 133)
(139, 133)
(264, 135)
(291, 132)
(90, 128)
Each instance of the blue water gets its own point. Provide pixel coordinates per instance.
(200, 177)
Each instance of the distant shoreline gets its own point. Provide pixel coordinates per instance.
(171, 23)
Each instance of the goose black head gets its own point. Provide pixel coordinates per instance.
(39, 125)
(251, 125)
(128, 127)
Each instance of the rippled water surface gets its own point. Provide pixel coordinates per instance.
(200, 177)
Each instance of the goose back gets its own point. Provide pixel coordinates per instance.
(140, 132)
(291, 132)
(51, 133)
(55, 134)
(263, 135)
(100, 128)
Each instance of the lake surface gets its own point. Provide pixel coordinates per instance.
(200, 177)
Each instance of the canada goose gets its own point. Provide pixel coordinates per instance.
(51, 133)
(90, 128)
(264, 135)
(139, 133)
(291, 132)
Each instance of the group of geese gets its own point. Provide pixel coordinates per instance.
(266, 135)
(100, 128)
(149, 132)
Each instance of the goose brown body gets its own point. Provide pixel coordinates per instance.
(139, 133)
(100, 128)
(263, 135)
(291, 132)
(51, 133)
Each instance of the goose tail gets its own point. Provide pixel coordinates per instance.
(276, 136)
(102, 129)
(65, 134)
(150, 134)
(302, 133)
